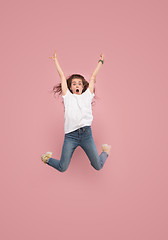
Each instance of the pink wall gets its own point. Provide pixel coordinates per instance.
(127, 199)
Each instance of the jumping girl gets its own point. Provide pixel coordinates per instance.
(77, 96)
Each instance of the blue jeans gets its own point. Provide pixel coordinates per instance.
(81, 137)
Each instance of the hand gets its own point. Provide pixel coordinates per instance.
(101, 56)
(54, 57)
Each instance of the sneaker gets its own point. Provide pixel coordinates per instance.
(46, 156)
(106, 148)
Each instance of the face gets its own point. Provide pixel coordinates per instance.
(76, 86)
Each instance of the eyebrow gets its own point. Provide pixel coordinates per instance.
(75, 81)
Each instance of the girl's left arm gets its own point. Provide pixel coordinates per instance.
(93, 77)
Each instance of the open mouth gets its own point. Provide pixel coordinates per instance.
(77, 90)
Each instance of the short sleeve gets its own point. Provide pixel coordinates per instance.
(67, 93)
(91, 94)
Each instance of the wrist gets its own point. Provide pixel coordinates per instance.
(101, 61)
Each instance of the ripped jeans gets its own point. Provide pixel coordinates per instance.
(81, 137)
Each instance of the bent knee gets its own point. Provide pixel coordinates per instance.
(98, 168)
(63, 169)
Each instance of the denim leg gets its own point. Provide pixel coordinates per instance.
(68, 148)
(88, 145)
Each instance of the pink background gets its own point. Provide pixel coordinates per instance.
(128, 198)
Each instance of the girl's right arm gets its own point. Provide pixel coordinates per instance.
(62, 76)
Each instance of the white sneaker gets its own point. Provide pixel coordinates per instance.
(106, 148)
(46, 156)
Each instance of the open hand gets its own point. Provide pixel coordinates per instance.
(54, 57)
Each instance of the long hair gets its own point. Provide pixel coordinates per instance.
(58, 89)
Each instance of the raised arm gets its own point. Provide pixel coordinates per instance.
(61, 74)
(93, 77)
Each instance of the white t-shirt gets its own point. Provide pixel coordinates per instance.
(78, 110)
